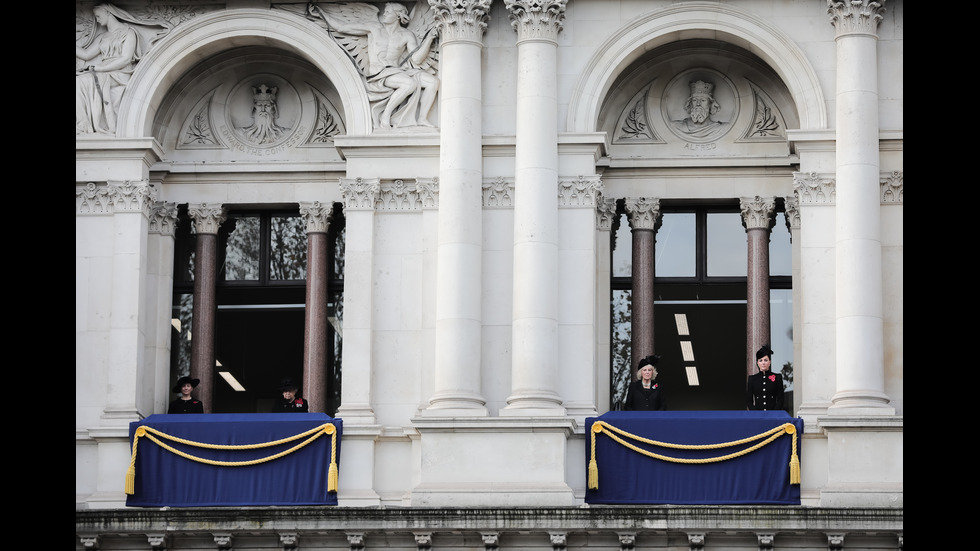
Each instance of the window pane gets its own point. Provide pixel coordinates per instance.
(622, 265)
(728, 249)
(242, 249)
(622, 376)
(780, 249)
(781, 323)
(287, 259)
(676, 246)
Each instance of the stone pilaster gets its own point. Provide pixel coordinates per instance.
(534, 371)
(758, 218)
(644, 218)
(159, 294)
(207, 219)
(316, 344)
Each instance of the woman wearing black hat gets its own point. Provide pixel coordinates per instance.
(185, 403)
(290, 401)
(764, 390)
(645, 394)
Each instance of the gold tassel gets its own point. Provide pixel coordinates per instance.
(593, 475)
(332, 477)
(794, 470)
(131, 480)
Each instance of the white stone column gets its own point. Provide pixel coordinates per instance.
(534, 372)
(860, 339)
(457, 390)
(792, 212)
(605, 216)
(160, 287)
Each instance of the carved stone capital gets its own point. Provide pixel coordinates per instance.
(605, 213)
(423, 540)
(461, 20)
(498, 192)
(696, 541)
(317, 216)
(627, 541)
(583, 191)
(766, 540)
(558, 540)
(360, 193)
(490, 540)
(835, 541)
(163, 218)
(537, 19)
(223, 540)
(812, 188)
(758, 212)
(89, 542)
(157, 541)
(856, 16)
(289, 541)
(892, 187)
(207, 217)
(356, 540)
(643, 213)
(792, 213)
(428, 192)
(397, 195)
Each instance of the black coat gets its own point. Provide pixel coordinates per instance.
(642, 399)
(186, 406)
(764, 391)
(298, 405)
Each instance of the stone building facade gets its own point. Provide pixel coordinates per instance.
(478, 187)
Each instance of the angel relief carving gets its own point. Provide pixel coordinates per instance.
(393, 49)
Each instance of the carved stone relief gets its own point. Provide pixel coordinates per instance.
(699, 106)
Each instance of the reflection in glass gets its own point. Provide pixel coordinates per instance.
(180, 336)
(622, 338)
(676, 248)
(622, 264)
(728, 249)
(781, 323)
(242, 249)
(287, 260)
(780, 248)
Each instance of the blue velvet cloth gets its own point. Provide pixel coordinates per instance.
(164, 478)
(626, 476)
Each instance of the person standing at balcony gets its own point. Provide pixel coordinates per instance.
(290, 401)
(764, 390)
(185, 403)
(645, 394)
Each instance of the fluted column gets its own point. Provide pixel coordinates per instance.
(860, 338)
(460, 227)
(315, 343)
(644, 218)
(534, 368)
(758, 218)
(207, 218)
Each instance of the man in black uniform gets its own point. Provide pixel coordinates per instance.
(290, 401)
(764, 390)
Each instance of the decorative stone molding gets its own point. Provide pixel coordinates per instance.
(398, 196)
(356, 540)
(223, 541)
(536, 19)
(792, 206)
(207, 217)
(157, 541)
(490, 540)
(317, 216)
(765, 541)
(163, 219)
(428, 191)
(696, 541)
(115, 196)
(289, 541)
(856, 16)
(89, 542)
(583, 191)
(627, 541)
(498, 193)
(892, 187)
(360, 193)
(758, 213)
(644, 213)
(812, 188)
(92, 199)
(558, 540)
(423, 540)
(461, 20)
(605, 213)
(835, 541)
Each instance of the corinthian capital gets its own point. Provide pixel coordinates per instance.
(461, 19)
(758, 212)
(317, 216)
(856, 16)
(644, 213)
(207, 217)
(536, 19)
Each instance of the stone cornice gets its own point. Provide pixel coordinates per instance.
(856, 16)
(758, 212)
(536, 19)
(461, 20)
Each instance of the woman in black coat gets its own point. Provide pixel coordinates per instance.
(645, 394)
(764, 390)
(186, 403)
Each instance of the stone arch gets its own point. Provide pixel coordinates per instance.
(213, 33)
(696, 20)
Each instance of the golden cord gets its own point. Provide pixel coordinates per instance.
(614, 433)
(152, 433)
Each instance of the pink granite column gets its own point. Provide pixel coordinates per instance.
(644, 218)
(758, 217)
(207, 220)
(315, 342)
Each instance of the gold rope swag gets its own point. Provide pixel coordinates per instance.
(312, 434)
(770, 435)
